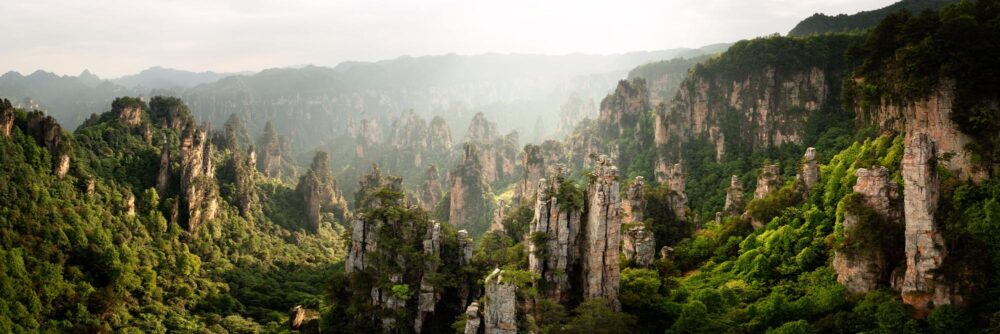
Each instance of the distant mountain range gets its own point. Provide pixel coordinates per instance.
(521, 92)
(821, 23)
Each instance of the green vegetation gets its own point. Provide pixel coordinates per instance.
(861, 21)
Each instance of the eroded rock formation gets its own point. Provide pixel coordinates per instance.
(808, 174)
(128, 111)
(319, 192)
(771, 106)
(602, 233)
(47, 133)
(639, 246)
(931, 116)
(429, 296)
(553, 248)
(472, 321)
(363, 227)
(270, 152)
(768, 181)
(500, 309)
(429, 191)
(468, 191)
(863, 270)
(303, 320)
(634, 205)
(620, 111)
(922, 286)
(533, 162)
(676, 181)
(197, 181)
(734, 197)
(6, 118)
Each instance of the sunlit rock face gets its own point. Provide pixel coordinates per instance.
(676, 181)
(472, 321)
(129, 115)
(6, 118)
(930, 116)
(864, 270)
(363, 228)
(634, 204)
(602, 233)
(197, 180)
(922, 285)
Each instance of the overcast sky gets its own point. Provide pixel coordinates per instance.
(118, 37)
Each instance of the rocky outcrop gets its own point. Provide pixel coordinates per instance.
(768, 181)
(319, 192)
(930, 116)
(639, 246)
(621, 110)
(602, 233)
(465, 245)
(47, 133)
(429, 191)
(863, 270)
(533, 162)
(922, 286)
(363, 227)
(554, 230)
(770, 108)
(303, 320)
(242, 167)
(414, 142)
(163, 174)
(366, 133)
(498, 154)
(500, 309)
(429, 296)
(128, 111)
(6, 118)
(472, 321)
(808, 174)
(676, 182)
(197, 182)
(734, 197)
(499, 214)
(634, 204)
(469, 191)
(270, 154)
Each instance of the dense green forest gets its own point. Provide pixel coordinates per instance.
(691, 215)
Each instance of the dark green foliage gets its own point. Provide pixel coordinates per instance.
(765, 209)
(908, 56)
(596, 316)
(661, 219)
(822, 23)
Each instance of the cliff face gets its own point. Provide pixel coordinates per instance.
(498, 154)
(47, 132)
(930, 116)
(922, 285)
(429, 192)
(634, 205)
(533, 163)
(620, 111)
(363, 227)
(602, 233)
(242, 167)
(414, 143)
(472, 321)
(554, 245)
(862, 270)
(197, 180)
(676, 181)
(469, 191)
(762, 110)
(429, 295)
(319, 192)
(500, 310)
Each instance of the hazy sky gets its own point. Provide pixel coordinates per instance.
(117, 37)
